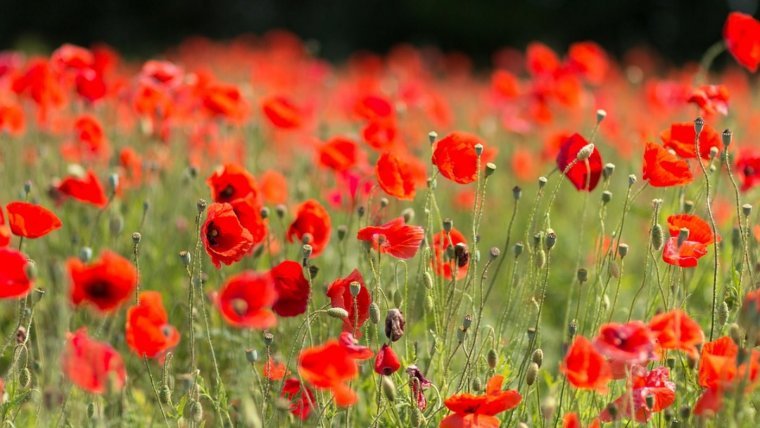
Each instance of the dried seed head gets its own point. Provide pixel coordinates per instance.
(585, 152)
(726, 137)
(394, 325)
(699, 124)
(530, 375)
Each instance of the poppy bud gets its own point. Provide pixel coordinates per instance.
(582, 275)
(389, 389)
(354, 287)
(477, 384)
(657, 237)
(201, 205)
(518, 249)
(542, 182)
(429, 304)
(264, 213)
(85, 254)
(448, 224)
(600, 115)
(27, 187)
(116, 224)
(25, 377)
(492, 358)
(91, 410)
(585, 152)
(723, 313)
(649, 401)
(306, 251)
(394, 325)
(538, 357)
(428, 280)
(530, 375)
(268, 339)
(136, 238)
(417, 418)
(196, 411)
(374, 313)
(606, 197)
(735, 332)
(632, 180)
(551, 239)
(699, 124)
(623, 250)
(398, 298)
(726, 137)
(408, 215)
(251, 355)
(31, 270)
(338, 312)
(683, 235)
(432, 136)
(490, 169)
(165, 395)
(608, 170)
(185, 257)
(280, 210)
(494, 253)
(746, 210)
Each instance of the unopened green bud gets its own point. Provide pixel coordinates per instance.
(538, 357)
(374, 313)
(531, 373)
(389, 389)
(492, 358)
(338, 312)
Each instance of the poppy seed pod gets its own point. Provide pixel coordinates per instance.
(394, 325)
(432, 136)
(467, 322)
(542, 182)
(342, 232)
(608, 170)
(714, 152)
(251, 355)
(585, 152)
(518, 249)
(726, 137)
(354, 287)
(516, 193)
(448, 224)
(306, 251)
(490, 169)
(746, 210)
(494, 253)
(116, 224)
(264, 212)
(582, 275)
(185, 257)
(600, 115)
(408, 215)
(699, 124)
(201, 205)
(136, 238)
(623, 250)
(280, 210)
(478, 149)
(85, 254)
(551, 239)
(477, 384)
(683, 235)
(606, 197)
(649, 401)
(632, 180)
(572, 328)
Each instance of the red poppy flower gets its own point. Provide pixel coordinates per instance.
(386, 361)
(292, 289)
(676, 330)
(541, 59)
(30, 220)
(246, 299)
(340, 296)
(273, 369)
(274, 187)
(90, 140)
(664, 169)
(631, 342)
(14, 281)
(710, 402)
(148, 331)
(90, 85)
(655, 384)
(477, 411)
(312, 219)
(248, 212)
(681, 137)
(331, 367)
(12, 118)
(699, 230)
(442, 263)
(685, 255)
(455, 157)
(87, 189)
(395, 238)
(282, 112)
(91, 365)
(395, 175)
(742, 35)
(339, 154)
(232, 182)
(353, 348)
(590, 60)
(585, 367)
(225, 100)
(301, 398)
(5, 231)
(224, 238)
(584, 174)
(710, 99)
(380, 134)
(373, 107)
(748, 166)
(717, 366)
(105, 283)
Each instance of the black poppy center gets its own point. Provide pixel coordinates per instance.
(227, 192)
(99, 290)
(212, 234)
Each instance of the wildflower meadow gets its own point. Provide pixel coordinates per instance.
(243, 234)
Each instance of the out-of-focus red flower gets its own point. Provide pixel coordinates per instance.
(274, 187)
(505, 85)
(39, 83)
(585, 367)
(246, 300)
(664, 169)
(541, 59)
(395, 238)
(12, 119)
(162, 73)
(105, 283)
(710, 99)
(339, 154)
(442, 263)
(292, 289)
(477, 411)
(224, 238)
(87, 189)
(331, 367)
(394, 172)
(584, 174)
(742, 35)
(89, 141)
(709, 403)
(380, 134)
(340, 296)
(90, 85)
(386, 361)
(685, 255)
(231, 182)
(373, 107)
(681, 137)
(456, 158)
(273, 369)
(300, 396)
(14, 281)
(148, 332)
(351, 344)
(91, 365)
(30, 220)
(225, 100)
(248, 212)
(717, 367)
(282, 113)
(631, 342)
(633, 404)
(748, 166)
(676, 330)
(590, 60)
(311, 219)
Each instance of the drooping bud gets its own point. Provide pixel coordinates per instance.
(338, 312)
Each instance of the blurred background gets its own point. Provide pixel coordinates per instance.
(678, 29)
